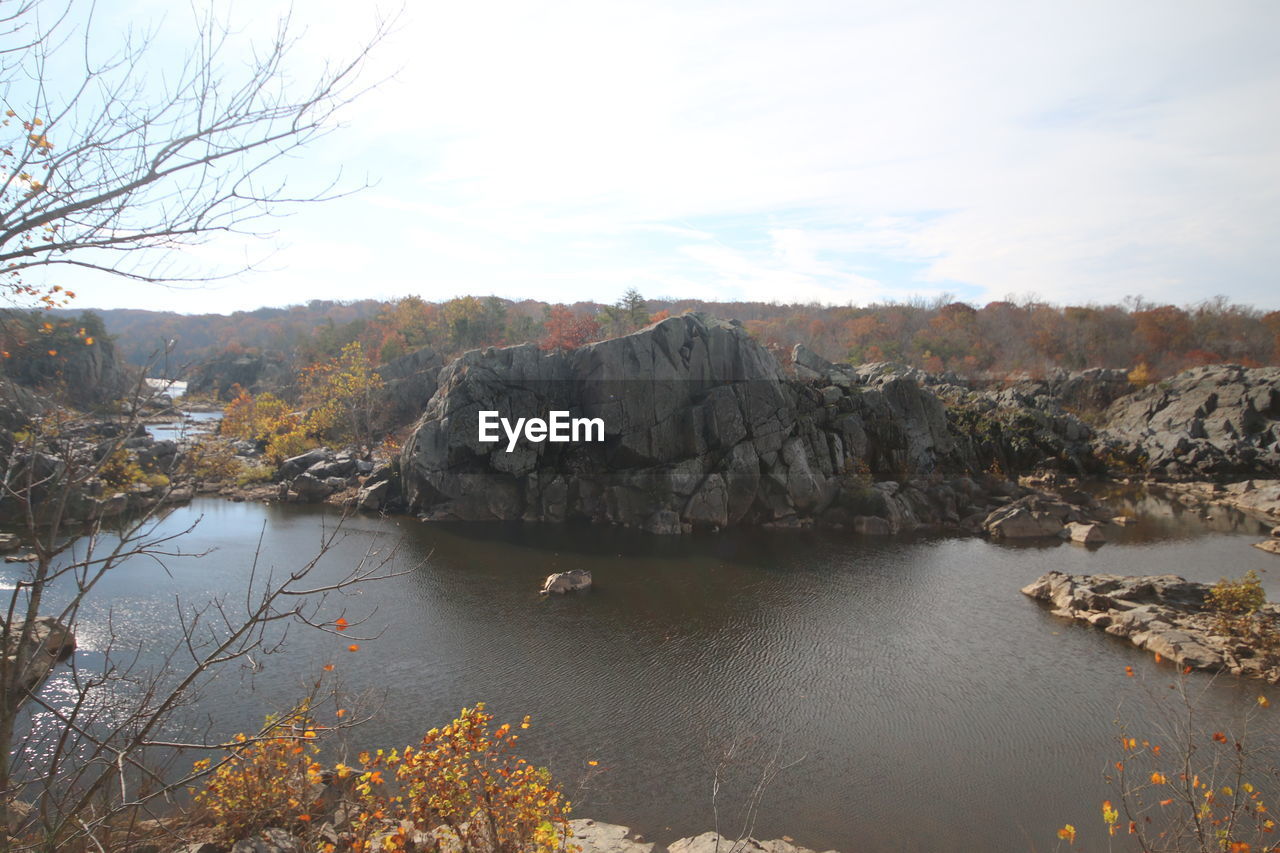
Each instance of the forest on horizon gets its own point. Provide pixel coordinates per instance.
(993, 340)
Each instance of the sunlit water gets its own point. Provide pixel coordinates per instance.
(927, 703)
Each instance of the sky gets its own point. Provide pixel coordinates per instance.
(799, 151)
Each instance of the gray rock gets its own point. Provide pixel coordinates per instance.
(1085, 534)
(710, 842)
(309, 489)
(269, 841)
(373, 498)
(571, 581)
(702, 430)
(595, 837)
(33, 653)
(870, 525)
(295, 465)
(1032, 517)
(1208, 422)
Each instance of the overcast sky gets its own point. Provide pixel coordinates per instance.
(838, 152)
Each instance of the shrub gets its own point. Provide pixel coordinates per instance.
(269, 781)
(250, 474)
(212, 461)
(1187, 787)
(1236, 603)
(120, 470)
(466, 777)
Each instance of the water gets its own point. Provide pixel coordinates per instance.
(927, 703)
(188, 426)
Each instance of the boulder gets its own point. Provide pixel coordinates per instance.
(1085, 534)
(295, 465)
(372, 498)
(1271, 546)
(47, 644)
(562, 582)
(1034, 516)
(309, 489)
(269, 841)
(592, 836)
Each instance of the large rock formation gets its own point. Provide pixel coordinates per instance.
(1214, 422)
(253, 372)
(408, 383)
(701, 429)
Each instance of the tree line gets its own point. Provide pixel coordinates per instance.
(987, 341)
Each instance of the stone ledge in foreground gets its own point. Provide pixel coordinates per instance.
(1164, 614)
(596, 837)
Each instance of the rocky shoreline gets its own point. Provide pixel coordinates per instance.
(589, 836)
(1163, 614)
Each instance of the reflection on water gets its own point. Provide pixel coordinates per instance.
(186, 427)
(931, 705)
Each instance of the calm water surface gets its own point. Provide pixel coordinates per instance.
(927, 703)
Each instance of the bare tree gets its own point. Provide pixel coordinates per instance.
(100, 755)
(110, 158)
(108, 162)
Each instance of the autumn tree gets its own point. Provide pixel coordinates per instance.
(566, 330)
(343, 398)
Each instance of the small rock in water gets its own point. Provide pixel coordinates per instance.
(21, 558)
(1086, 534)
(562, 582)
(1271, 546)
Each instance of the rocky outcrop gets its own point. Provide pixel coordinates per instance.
(1208, 423)
(1257, 498)
(701, 429)
(1164, 614)
(1038, 516)
(253, 372)
(33, 652)
(408, 383)
(314, 476)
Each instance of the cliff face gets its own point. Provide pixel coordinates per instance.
(1215, 422)
(701, 429)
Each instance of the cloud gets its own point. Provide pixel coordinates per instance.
(820, 150)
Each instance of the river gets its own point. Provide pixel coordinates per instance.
(925, 703)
